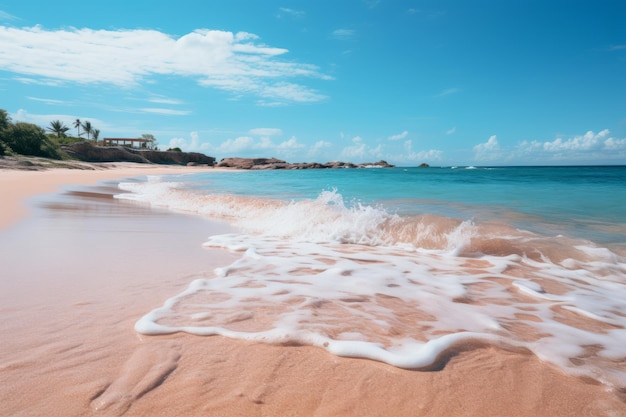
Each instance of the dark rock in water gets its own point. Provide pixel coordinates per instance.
(85, 151)
(424, 165)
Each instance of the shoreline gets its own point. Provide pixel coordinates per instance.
(18, 185)
(78, 274)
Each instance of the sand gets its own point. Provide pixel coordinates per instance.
(76, 273)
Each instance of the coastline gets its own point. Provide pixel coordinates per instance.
(17, 185)
(76, 291)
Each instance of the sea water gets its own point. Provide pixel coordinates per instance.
(406, 265)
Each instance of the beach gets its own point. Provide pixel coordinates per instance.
(79, 268)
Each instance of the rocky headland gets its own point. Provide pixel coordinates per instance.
(85, 155)
(86, 152)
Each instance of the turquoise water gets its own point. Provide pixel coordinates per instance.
(584, 202)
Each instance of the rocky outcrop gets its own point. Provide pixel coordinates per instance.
(252, 163)
(273, 163)
(85, 151)
(379, 164)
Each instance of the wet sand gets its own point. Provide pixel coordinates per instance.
(77, 271)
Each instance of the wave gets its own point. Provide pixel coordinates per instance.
(328, 219)
(406, 290)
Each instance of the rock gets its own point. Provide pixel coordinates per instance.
(273, 163)
(85, 151)
(252, 163)
(379, 164)
(424, 165)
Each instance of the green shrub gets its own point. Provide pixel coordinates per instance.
(25, 138)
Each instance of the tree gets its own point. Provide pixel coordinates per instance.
(58, 127)
(87, 128)
(151, 144)
(26, 138)
(77, 125)
(5, 122)
(96, 134)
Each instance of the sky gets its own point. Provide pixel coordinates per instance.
(447, 82)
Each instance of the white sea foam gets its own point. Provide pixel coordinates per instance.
(347, 279)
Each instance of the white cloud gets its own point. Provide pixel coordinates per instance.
(47, 82)
(450, 131)
(160, 100)
(191, 145)
(291, 143)
(612, 144)
(47, 100)
(266, 131)
(360, 151)
(409, 155)
(586, 142)
(289, 148)
(6, 16)
(248, 146)
(290, 91)
(167, 112)
(232, 146)
(587, 147)
(430, 155)
(344, 34)
(318, 148)
(290, 12)
(489, 150)
(399, 136)
(235, 62)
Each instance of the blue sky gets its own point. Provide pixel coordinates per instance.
(409, 81)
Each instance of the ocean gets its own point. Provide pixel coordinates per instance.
(409, 266)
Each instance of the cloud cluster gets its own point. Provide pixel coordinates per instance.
(601, 147)
(360, 150)
(236, 62)
(488, 151)
(588, 146)
(411, 156)
(257, 144)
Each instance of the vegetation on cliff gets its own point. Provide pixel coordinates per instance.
(31, 140)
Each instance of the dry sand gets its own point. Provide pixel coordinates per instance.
(77, 273)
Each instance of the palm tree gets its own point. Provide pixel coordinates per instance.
(58, 127)
(77, 126)
(96, 133)
(87, 128)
